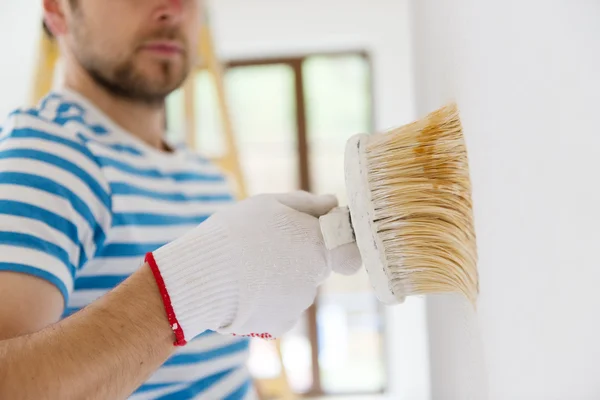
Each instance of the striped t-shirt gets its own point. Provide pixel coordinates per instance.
(82, 201)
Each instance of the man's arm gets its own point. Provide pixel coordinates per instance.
(55, 213)
(252, 268)
(27, 304)
(105, 351)
(230, 274)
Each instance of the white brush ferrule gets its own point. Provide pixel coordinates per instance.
(362, 215)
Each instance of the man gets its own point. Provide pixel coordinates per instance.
(125, 268)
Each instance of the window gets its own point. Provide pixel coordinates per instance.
(291, 119)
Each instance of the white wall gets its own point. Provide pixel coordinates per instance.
(526, 76)
(262, 28)
(20, 22)
(274, 27)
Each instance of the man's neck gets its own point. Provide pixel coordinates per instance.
(141, 120)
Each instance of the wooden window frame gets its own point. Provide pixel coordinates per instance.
(304, 179)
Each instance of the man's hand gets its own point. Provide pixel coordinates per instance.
(250, 269)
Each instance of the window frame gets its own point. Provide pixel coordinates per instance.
(296, 63)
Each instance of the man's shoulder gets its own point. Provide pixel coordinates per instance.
(43, 143)
(54, 116)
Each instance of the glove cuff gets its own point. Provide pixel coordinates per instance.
(196, 282)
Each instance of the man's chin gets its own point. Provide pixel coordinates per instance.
(158, 83)
(156, 65)
(166, 81)
(146, 91)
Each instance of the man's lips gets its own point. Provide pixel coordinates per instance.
(164, 47)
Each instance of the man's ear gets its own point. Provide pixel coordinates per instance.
(54, 17)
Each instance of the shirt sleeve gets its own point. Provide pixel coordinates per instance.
(54, 202)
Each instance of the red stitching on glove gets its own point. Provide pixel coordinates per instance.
(179, 336)
(257, 335)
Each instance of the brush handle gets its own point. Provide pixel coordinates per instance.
(336, 227)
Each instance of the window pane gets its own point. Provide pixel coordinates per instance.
(176, 117)
(263, 110)
(209, 135)
(349, 318)
(209, 132)
(297, 357)
(338, 98)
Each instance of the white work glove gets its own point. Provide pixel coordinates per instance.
(250, 269)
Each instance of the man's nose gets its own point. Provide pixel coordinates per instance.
(176, 4)
(170, 11)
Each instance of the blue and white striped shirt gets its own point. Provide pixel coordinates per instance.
(82, 201)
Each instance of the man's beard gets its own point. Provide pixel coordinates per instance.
(124, 81)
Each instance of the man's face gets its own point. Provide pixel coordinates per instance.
(137, 49)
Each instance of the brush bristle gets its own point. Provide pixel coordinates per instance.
(421, 194)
